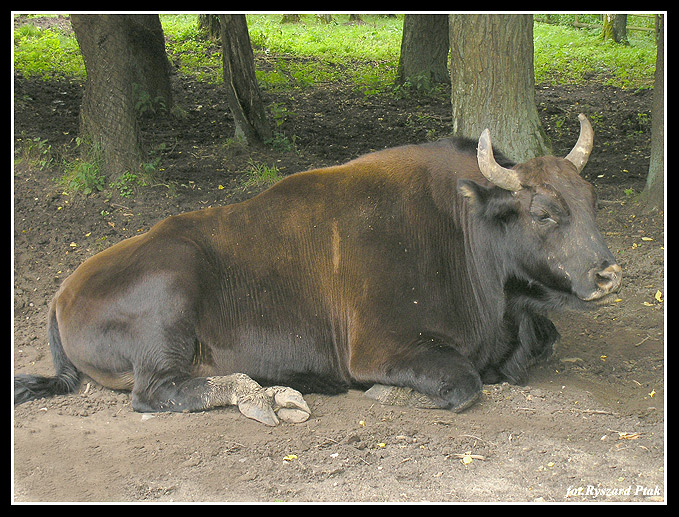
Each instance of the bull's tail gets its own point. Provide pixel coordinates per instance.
(67, 379)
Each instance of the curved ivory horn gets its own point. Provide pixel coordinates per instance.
(583, 147)
(504, 178)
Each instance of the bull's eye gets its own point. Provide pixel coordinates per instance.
(544, 218)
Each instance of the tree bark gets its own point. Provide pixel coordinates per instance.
(209, 24)
(615, 28)
(653, 196)
(242, 91)
(493, 82)
(124, 57)
(424, 49)
(291, 18)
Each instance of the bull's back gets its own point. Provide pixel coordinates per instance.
(270, 287)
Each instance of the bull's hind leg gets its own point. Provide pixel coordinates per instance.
(266, 405)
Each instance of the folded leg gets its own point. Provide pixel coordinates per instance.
(428, 373)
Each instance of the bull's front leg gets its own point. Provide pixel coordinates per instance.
(428, 374)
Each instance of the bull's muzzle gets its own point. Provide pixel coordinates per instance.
(607, 281)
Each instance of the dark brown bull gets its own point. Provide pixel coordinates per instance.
(427, 267)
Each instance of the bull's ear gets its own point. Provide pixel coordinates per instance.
(491, 202)
(474, 192)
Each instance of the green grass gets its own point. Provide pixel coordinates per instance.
(190, 50)
(363, 55)
(47, 53)
(378, 39)
(567, 55)
(260, 175)
(336, 51)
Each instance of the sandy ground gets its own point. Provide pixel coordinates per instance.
(588, 426)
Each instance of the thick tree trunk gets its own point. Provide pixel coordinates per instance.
(125, 59)
(424, 49)
(493, 82)
(240, 83)
(653, 196)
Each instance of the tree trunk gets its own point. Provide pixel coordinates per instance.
(209, 25)
(240, 83)
(493, 82)
(653, 196)
(615, 28)
(424, 50)
(291, 18)
(124, 58)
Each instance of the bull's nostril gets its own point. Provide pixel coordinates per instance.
(609, 279)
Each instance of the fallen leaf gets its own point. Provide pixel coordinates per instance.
(468, 457)
(646, 239)
(652, 394)
(658, 296)
(622, 435)
(290, 457)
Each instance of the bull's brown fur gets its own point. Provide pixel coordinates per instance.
(377, 270)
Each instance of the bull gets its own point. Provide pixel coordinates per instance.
(428, 268)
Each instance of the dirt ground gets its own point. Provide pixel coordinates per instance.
(588, 426)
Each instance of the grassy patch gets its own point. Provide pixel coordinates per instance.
(36, 152)
(365, 55)
(259, 175)
(190, 50)
(378, 39)
(83, 174)
(567, 55)
(47, 53)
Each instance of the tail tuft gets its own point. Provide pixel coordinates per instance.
(67, 380)
(29, 387)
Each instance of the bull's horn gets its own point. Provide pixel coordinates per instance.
(507, 179)
(583, 147)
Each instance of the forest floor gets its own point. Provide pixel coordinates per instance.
(588, 426)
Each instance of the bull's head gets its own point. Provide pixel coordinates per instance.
(551, 208)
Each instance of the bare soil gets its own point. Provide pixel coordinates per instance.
(588, 426)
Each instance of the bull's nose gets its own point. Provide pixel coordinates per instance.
(608, 280)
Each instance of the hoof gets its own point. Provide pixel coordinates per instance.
(271, 405)
(399, 396)
(464, 405)
(293, 416)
